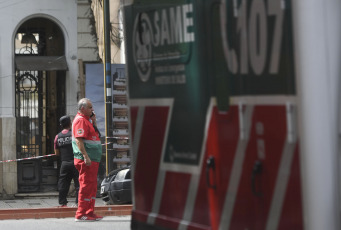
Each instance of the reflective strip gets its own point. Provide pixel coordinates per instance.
(94, 198)
(87, 199)
(92, 142)
(108, 92)
(88, 141)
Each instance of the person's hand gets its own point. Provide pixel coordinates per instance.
(87, 161)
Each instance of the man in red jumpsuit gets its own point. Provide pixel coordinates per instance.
(87, 151)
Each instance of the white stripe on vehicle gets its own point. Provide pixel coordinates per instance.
(245, 115)
(167, 102)
(136, 142)
(190, 202)
(157, 197)
(162, 173)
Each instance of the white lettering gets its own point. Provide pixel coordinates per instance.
(252, 29)
(274, 8)
(156, 40)
(242, 28)
(176, 24)
(188, 22)
(164, 28)
(258, 41)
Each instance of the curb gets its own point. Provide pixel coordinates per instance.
(41, 213)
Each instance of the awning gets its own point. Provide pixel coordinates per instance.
(47, 63)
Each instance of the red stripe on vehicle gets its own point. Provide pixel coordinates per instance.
(251, 210)
(221, 143)
(149, 154)
(173, 199)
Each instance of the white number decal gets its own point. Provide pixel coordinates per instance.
(253, 36)
(274, 8)
(230, 54)
(258, 36)
(242, 29)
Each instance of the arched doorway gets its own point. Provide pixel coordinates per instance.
(40, 100)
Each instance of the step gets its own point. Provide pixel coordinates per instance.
(56, 212)
(36, 194)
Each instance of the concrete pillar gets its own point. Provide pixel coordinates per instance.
(8, 171)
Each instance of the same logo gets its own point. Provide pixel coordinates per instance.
(142, 46)
(164, 30)
(80, 131)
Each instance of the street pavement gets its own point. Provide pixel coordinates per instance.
(39, 201)
(108, 222)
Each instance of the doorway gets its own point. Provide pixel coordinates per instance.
(40, 100)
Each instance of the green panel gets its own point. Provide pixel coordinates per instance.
(222, 80)
(193, 50)
(165, 61)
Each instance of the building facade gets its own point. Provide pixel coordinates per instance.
(44, 47)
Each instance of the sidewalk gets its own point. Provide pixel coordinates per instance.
(38, 200)
(43, 205)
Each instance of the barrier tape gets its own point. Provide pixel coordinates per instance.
(30, 158)
(121, 138)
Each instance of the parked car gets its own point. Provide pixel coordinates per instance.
(120, 187)
(105, 186)
(116, 187)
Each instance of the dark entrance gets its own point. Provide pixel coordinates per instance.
(40, 100)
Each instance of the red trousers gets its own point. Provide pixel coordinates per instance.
(87, 187)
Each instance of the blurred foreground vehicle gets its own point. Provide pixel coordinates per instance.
(116, 187)
(233, 105)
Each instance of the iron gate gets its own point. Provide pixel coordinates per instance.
(29, 113)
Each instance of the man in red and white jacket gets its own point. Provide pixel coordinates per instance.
(87, 151)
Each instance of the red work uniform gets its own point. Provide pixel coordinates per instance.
(82, 127)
